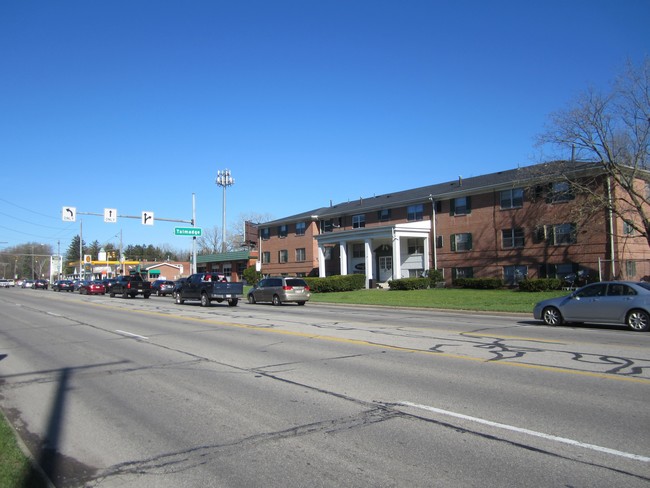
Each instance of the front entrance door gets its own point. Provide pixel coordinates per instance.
(385, 268)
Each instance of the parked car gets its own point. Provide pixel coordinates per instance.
(607, 302)
(92, 288)
(28, 284)
(279, 290)
(162, 287)
(40, 285)
(4, 283)
(63, 285)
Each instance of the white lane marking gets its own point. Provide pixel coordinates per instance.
(131, 335)
(564, 440)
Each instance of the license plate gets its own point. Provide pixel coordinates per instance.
(139, 290)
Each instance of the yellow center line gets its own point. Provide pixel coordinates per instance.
(360, 342)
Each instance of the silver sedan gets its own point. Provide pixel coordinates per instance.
(607, 302)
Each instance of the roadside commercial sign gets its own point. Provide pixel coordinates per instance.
(188, 231)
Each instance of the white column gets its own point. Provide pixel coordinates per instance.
(343, 251)
(321, 262)
(426, 254)
(369, 259)
(397, 264)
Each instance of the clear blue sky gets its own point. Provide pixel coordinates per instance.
(136, 105)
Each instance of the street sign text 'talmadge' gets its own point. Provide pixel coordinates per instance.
(188, 231)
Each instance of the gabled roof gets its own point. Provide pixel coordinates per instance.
(164, 263)
(501, 180)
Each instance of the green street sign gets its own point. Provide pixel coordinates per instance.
(188, 231)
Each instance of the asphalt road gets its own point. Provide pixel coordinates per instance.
(108, 392)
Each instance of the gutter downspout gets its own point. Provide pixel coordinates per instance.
(433, 231)
(610, 219)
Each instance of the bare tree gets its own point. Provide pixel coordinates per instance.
(210, 241)
(611, 129)
(239, 228)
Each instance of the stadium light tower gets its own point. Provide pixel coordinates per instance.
(224, 180)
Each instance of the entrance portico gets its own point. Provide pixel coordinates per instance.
(381, 253)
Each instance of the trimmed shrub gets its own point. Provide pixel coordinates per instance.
(541, 284)
(479, 283)
(251, 276)
(435, 276)
(336, 283)
(409, 284)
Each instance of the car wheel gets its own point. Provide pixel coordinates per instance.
(251, 299)
(147, 295)
(125, 294)
(276, 300)
(301, 303)
(178, 299)
(552, 316)
(112, 295)
(205, 301)
(638, 320)
(233, 302)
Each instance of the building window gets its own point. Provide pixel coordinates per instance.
(564, 234)
(415, 212)
(300, 255)
(328, 225)
(460, 206)
(283, 256)
(513, 198)
(266, 257)
(283, 230)
(513, 238)
(358, 221)
(462, 273)
(416, 246)
(300, 228)
(265, 233)
(561, 191)
(630, 269)
(461, 242)
(358, 251)
(559, 271)
(514, 274)
(557, 234)
(628, 229)
(383, 215)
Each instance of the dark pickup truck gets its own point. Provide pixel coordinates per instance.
(130, 286)
(208, 287)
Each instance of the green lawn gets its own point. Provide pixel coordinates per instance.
(444, 298)
(15, 468)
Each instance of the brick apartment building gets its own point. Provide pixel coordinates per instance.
(511, 224)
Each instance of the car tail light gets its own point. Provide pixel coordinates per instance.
(287, 287)
(306, 288)
(128, 285)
